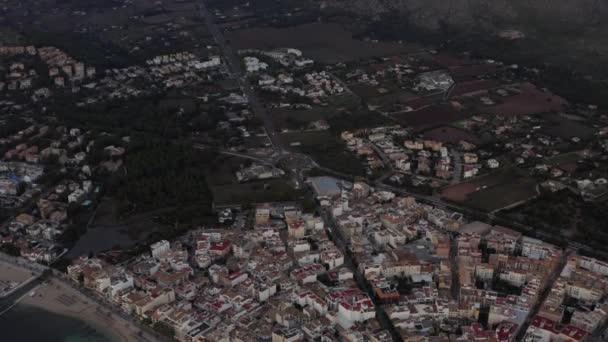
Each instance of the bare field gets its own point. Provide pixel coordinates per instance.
(9, 272)
(530, 101)
(450, 134)
(273, 190)
(326, 43)
(430, 117)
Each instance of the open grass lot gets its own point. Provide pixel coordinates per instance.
(327, 150)
(474, 87)
(564, 128)
(448, 134)
(276, 190)
(305, 115)
(308, 138)
(255, 141)
(385, 93)
(530, 101)
(344, 101)
(564, 213)
(223, 170)
(471, 72)
(295, 119)
(10, 37)
(429, 117)
(170, 104)
(497, 190)
(503, 195)
(566, 158)
(326, 43)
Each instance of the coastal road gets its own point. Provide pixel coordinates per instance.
(11, 300)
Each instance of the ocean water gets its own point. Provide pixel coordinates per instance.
(26, 323)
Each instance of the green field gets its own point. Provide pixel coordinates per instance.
(327, 150)
(276, 190)
(566, 158)
(503, 195)
(494, 191)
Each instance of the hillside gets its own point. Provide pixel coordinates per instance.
(555, 15)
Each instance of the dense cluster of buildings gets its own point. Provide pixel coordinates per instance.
(41, 207)
(574, 310)
(175, 70)
(431, 272)
(426, 158)
(281, 280)
(314, 85)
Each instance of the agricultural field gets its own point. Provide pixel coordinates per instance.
(473, 87)
(530, 101)
(327, 150)
(325, 43)
(429, 117)
(449, 134)
(500, 189)
(562, 212)
(308, 138)
(276, 190)
(385, 93)
(565, 128)
(296, 119)
(562, 159)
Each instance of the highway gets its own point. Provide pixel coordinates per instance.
(235, 71)
(544, 292)
(470, 213)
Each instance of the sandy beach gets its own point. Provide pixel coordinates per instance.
(10, 272)
(12, 277)
(63, 300)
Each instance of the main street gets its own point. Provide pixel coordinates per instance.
(233, 64)
(546, 289)
(336, 235)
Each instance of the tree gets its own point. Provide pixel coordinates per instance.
(10, 249)
(164, 329)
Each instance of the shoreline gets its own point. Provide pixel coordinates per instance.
(15, 273)
(59, 299)
(103, 330)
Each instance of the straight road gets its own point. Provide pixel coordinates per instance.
(11, 300)
(338, 239)
(235, 70)
(543, 295)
